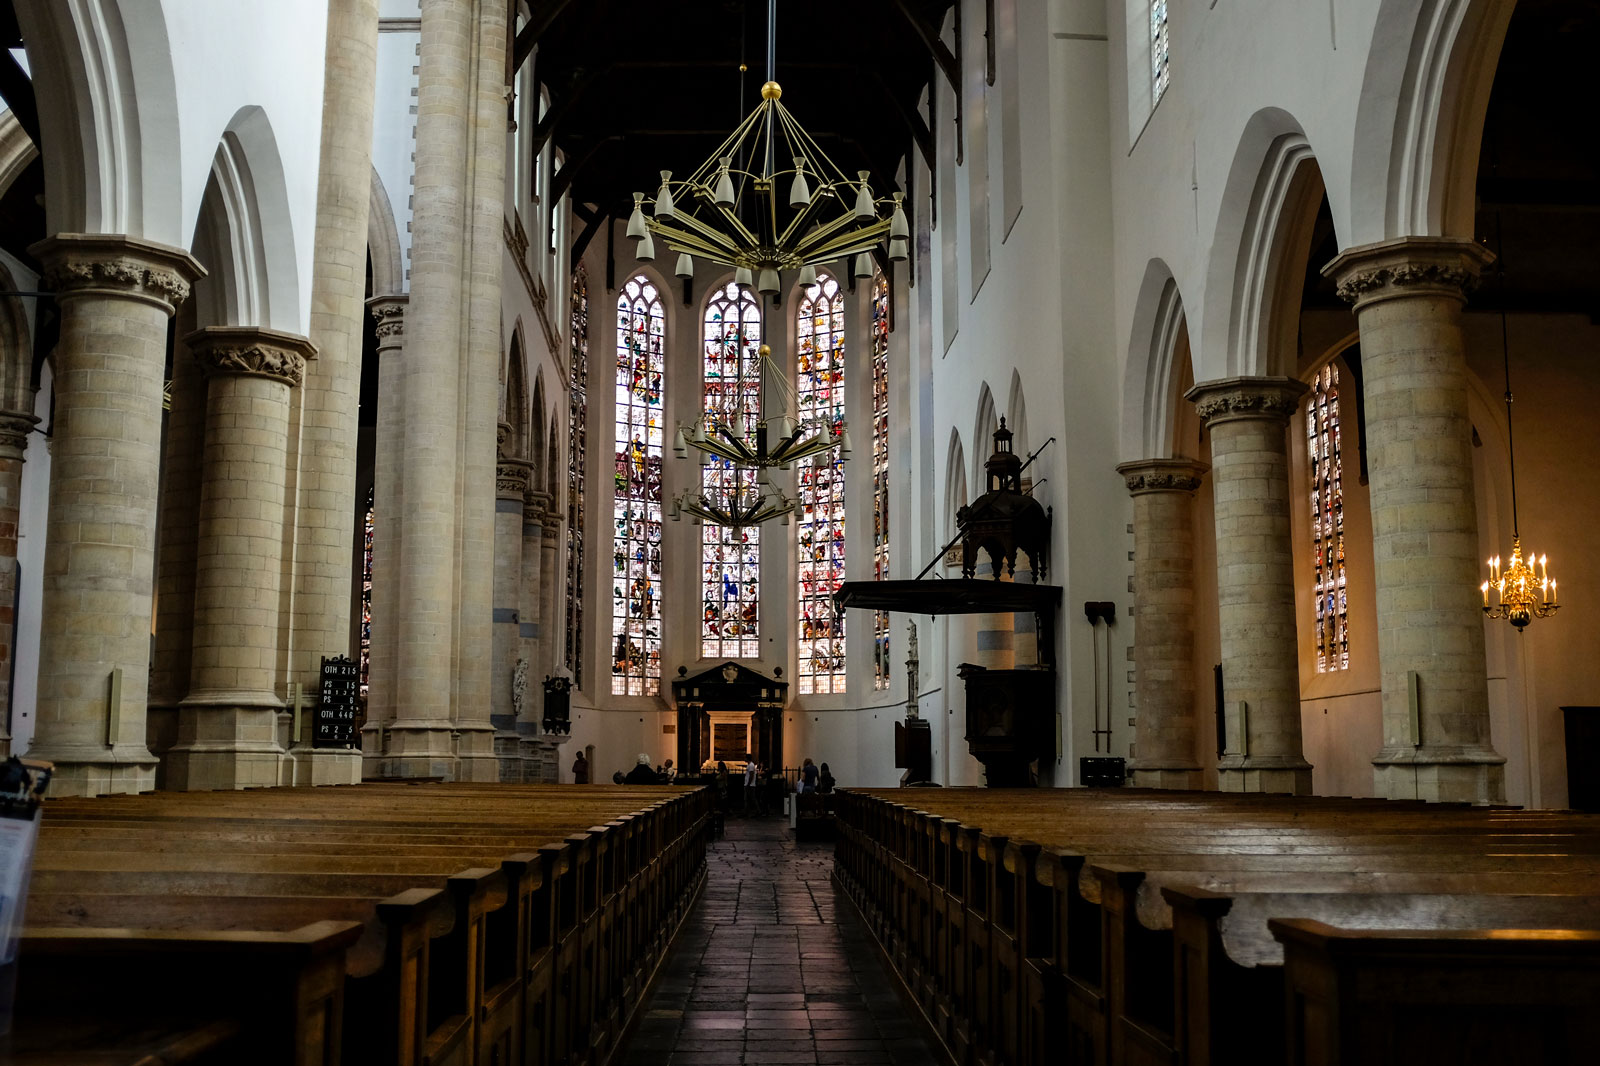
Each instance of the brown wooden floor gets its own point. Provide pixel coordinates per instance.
(773, 966)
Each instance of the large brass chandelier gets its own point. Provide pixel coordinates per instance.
(742, 209)
(1522, 588)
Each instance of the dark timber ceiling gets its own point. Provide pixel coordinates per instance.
(639, 86)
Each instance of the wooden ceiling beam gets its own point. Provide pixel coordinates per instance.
(528, 37)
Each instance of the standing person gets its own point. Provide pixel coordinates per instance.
(642, 773)
(825, 781)
(580, 770)
(808, 776)
(749, 782)
(761, 790)
(722, 785)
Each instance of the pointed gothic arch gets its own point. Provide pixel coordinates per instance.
(1155, 371)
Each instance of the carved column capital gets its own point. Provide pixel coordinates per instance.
(1408, 266)
(1247, 398)
(511, 479)
(251, 351)
(99, 264)
(389, 314)
(14, 429)
(1163, 475)
(552, 525)
(535, 504)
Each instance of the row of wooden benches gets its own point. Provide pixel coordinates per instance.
(1138, 927)
(384, 923)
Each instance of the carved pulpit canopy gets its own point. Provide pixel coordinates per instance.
(1004, 519)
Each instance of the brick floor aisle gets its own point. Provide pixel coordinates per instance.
(773, 966)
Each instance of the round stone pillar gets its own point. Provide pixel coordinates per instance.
(1165, 728)
(1247, 419)
(552, 588)
(389, 313)
(535, 504)
(1408, 295)
(14, 429)
(115, 295)
(228, 723)
(508, 694)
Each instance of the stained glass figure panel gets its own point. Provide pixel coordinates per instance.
(1327, 522)
(636, 515)
(881, 663)
(819, 382)
(730, 559)
(366, 598)
(577, 469)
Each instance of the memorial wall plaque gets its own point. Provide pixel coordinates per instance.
(339, 704)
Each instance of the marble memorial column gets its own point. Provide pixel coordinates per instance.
(512, 682)
(1408, 295)
(14, 429)
(326, 508)
(387, 505)
(1247, 419)
(1165, 725)
(228, 723)
(115, 295)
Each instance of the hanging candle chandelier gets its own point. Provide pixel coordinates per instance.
(768, 200)
(1522, 588)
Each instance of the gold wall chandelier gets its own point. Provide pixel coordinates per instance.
(1521, 592)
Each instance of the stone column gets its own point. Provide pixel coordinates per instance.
(14, 429)
(115, 295)
(551, 632)
(446, 552)
(1408, 295)
(1247, 419)
(535, 504)
(387, 507)
(512, 681)
(228, 723)
(325, 485)
(1164, 740)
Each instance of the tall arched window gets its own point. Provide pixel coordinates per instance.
(730, 559)
(577, 467)
(819, 380)
(1327, 522)
(636, 543)
(1160, 51)
(880, 474)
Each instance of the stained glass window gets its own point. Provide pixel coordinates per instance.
(636, 541)
(577, 468)
(1327, 522)
(1160, 51)
(819, 381)
(731, 558)
(881, 665)
(366, 599)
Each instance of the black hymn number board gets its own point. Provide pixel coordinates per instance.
(336, 709)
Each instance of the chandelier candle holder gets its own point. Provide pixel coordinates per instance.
(744, 506)
(1521, 594)
(741, 209)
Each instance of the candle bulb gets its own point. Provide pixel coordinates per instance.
(1544, 569)
(1485, 587)
(1553, 592)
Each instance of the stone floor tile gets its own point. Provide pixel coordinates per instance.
(773, 967)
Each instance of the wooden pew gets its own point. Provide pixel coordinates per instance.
(1082, 919)
(468, 936)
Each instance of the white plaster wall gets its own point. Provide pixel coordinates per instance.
(230, 56)
(394, 119)
(1231, 60)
